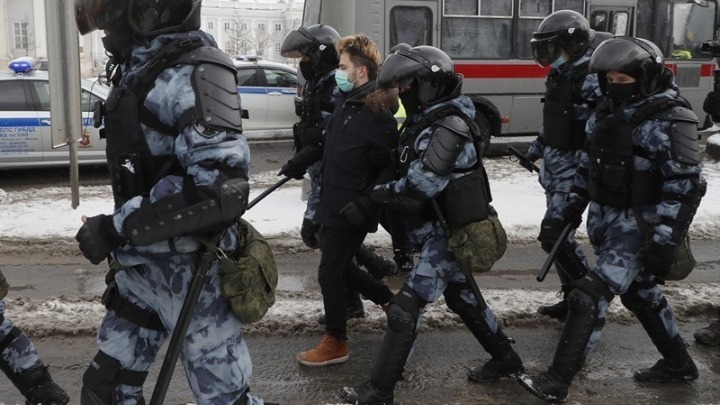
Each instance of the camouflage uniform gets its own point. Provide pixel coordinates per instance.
(559, 165)
(156, 277)
(614, 233)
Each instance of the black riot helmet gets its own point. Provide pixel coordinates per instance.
(145, 18)
(562, 30)
(427, 70)
(635, 57)
(317, 42)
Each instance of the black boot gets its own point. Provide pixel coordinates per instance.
(557, 311)
(404, 261)
(39, 388)
(505, 361)
(547, 385)
(34, 383)
(399, 338)
(676, 364)
(378, 266)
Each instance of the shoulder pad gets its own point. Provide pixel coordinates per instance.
(685, 146)
(455, 124)
(205, 54)
(217, 102)
(448, 135)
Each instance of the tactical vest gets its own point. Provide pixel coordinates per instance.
(316, 99)
(133, 168)
(465, 199)
(613, 178)
(561, 128)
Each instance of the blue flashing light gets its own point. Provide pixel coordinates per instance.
(22, 65)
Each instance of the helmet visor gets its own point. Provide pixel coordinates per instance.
(545, 50)
(298, 43)
(91, 15)
(399, 70)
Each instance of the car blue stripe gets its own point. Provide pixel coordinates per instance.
(288, 91)
(19, 122)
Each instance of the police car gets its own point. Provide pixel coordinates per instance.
(25, 138)
(267, 92)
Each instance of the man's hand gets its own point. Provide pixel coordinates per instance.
(291, 169)
(659, 259)
(359, 211)
(98, 237)
(573, 214)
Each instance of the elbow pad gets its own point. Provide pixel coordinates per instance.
(182, 213)
(446, 142)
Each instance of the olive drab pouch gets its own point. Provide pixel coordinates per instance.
(683, 260)
(248, 275)
(478, 245)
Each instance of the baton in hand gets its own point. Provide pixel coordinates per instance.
(554, 252)
(524, 162)
(266, 192)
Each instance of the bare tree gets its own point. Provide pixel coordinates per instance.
(258, 39)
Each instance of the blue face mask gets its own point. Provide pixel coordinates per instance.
(558, 62)
(341, 78)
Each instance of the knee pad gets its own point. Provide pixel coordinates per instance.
(404, 310)
(586, 293)
(457, 304)
(102, 377)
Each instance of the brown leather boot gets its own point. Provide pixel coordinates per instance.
(331, 350)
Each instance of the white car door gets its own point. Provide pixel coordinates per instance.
(252, 97)
(281, 90)
(21, 142)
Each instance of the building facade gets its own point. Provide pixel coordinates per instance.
(249, 27)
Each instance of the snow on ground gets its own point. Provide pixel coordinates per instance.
(46, 215)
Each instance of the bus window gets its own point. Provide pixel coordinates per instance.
(620, 23)
(692, 24)
(599, 21)
(484, 32)
(411, 25)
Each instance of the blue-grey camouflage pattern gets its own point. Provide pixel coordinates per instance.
(20, 354)
(437, 267)
(617, 240)
(156, 277)
(558, 167)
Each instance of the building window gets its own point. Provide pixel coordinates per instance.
(261, 27)
(227, 26)
(21, 35)
(278, 27)
(243, 26)
(277, 48)
(210, 25)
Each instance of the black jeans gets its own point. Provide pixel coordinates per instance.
(336, 273)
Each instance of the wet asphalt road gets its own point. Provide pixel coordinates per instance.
(437, 369)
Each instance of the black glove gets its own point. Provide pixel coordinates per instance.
(98, 238)
(573, 215)
(711, 105)
(386, 197)
(659, 259)
(358, 212)
(292, 170)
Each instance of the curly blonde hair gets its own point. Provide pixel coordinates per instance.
(362, 52)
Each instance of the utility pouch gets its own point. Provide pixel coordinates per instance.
(248, 275)
(478, 245)
(466, 199)
(683, 259)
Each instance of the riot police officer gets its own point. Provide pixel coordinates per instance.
(438, 115)
(641, 178)
(564, 42)
(21, 363)
(179, 166)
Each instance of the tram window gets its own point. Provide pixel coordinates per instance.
(692, 25)
(496, 8)
(461, 7)
(411, 25)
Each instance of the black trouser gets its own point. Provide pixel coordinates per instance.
(336, 272)
(395, 224)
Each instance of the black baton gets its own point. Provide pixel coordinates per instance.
(554, 252)
(266, 192)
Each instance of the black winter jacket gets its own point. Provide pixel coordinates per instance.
(357, 131)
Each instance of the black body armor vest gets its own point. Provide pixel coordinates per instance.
(561, 129)
(134, 170)
(613, 179)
